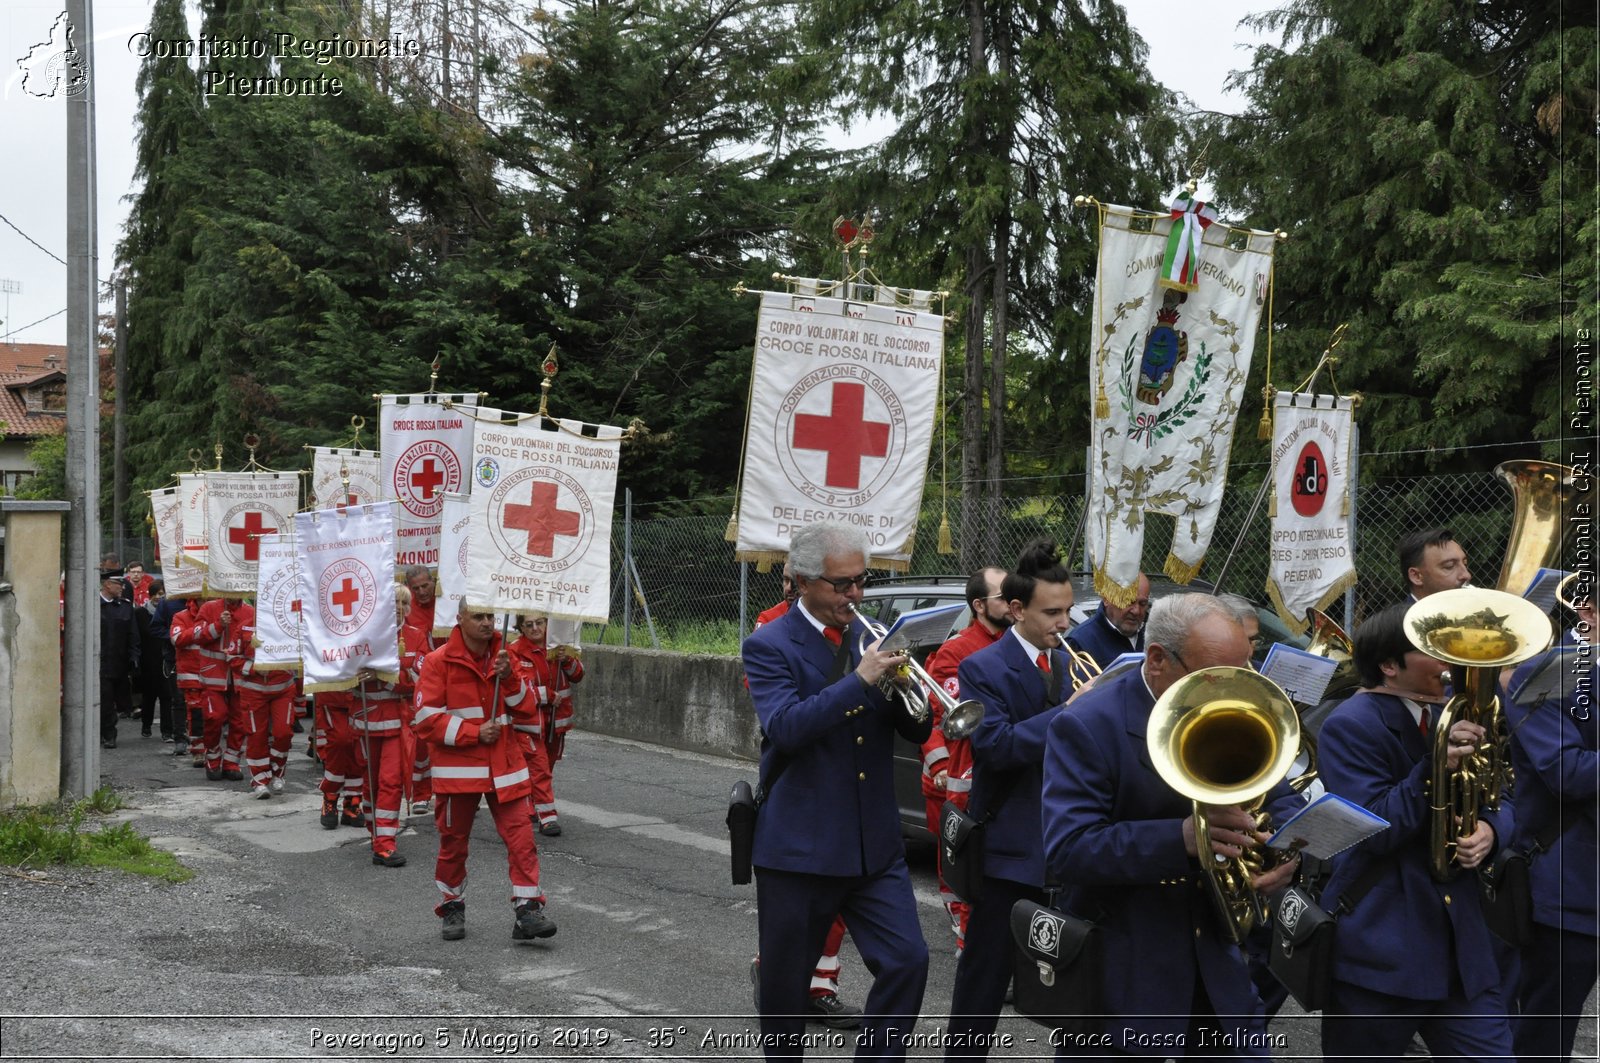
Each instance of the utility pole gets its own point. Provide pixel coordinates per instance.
(119, 429)
(80, 708)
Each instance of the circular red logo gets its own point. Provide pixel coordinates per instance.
(346, 596)
(1310, 489)
(422, 474)
(540, 519)
(841, 435)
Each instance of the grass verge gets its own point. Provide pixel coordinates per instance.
(37, 836)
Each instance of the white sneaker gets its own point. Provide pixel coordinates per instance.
(277, 784)
(259, 792)
(421, 808)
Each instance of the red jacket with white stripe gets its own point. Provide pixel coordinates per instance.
(197, 641)
(386, 704)
(242, 658)
(455, 697)
(939, 754)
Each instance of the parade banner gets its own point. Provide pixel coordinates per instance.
(542, 497)
(1178, 300)
(454, 533)
(1313, 545)
(329, 465)
(182, 579)
(192, 500)
(277, 637)
(241, 507)
(426, 448)
(843, 398)
(346, 591)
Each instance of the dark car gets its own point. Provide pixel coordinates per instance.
(886, 598)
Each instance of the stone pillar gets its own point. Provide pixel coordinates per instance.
(30, 653)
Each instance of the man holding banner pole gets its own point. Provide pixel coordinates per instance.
(464, 688)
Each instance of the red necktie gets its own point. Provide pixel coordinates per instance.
(1044, 662)
(833, 635)
(1422, 724)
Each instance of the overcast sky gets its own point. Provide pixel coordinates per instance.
(1190, 53)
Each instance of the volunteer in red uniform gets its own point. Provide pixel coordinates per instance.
(203, 632)
(947, 764)
(376, 722)
(188, 634)
(468, 695)
(230, 614)
(341, 758)
(533, 669)
(265, 709)
(550, 675)
(138, 582)
(419, 619)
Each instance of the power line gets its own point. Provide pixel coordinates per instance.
(41, 321)
(35, 243)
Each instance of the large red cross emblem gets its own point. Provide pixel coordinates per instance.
(249, 536)
(426, 479)
(844, 433)
(543, 520)
(347, 596)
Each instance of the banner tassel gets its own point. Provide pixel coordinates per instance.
(946, 546)
(730, 534)
(1102, 403)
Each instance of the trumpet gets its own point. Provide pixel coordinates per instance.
(1082, 667)
(912, 686)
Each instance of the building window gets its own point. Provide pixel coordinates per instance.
(55, 397)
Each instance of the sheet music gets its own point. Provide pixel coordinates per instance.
(1303, 676)
(1326, 827)
(921, 627)
(1542, 588)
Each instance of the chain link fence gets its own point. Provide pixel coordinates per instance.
(690, 588)
(690, 594)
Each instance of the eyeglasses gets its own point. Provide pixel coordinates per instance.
(843, 584)
(1175, 655)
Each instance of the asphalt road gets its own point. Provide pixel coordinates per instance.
(289, 943)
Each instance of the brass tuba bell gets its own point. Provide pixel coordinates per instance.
(1225, 736)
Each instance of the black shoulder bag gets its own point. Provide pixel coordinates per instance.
(1508, 891)
(1301, 955)
(1057, 967)
(961, 843)
(744, 802)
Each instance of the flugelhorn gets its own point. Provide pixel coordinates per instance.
(1081, 665)
(1225, 736)
(912, 686)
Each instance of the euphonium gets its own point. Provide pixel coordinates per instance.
(1225, 736)
(1328, 640)
(1478, 631)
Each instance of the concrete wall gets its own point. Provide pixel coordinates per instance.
(685, 700)
(30, 654)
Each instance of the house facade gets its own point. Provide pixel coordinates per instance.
(33, 404)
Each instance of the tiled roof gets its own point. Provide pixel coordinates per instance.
(22, 364)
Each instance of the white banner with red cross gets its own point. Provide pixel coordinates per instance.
(166, 513)
(1179, 298)
(1313, 546)
(192, 503)
(241, 507)
(542, 494)
(346, 592)
(842, 403)
(277, 637)
(454, 535)
(426, 445)
(345, 476)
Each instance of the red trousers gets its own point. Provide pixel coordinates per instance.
(266, 718)
(341, 754)
(536, 753)
(453, 815)
(385, 769)
(825, 979)
(957, 909)
(208, 715)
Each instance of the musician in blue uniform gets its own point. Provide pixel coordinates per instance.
(1123, 844)
(828, 830)
(1021, 680)
(1113, 630)
(1414, 955)
(1554, 744)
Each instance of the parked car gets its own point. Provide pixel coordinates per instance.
(885, 598)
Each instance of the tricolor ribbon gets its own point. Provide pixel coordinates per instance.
(1180, 267)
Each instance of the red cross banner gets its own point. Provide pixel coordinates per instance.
(241, 507)
(842, 403)
(542, 494)
(192, 518)
(277, 637)
(454, 534)
(426, 448)
(1175, 322)
(1313, 548)
(182, 580)
(345, 558)
(330, 465)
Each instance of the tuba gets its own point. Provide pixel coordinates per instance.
(1478, 632)
(1225, 736)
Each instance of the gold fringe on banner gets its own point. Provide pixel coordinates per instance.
(1112, 591)
(764, 559)
(1181, 571)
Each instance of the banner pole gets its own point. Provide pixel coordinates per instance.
(627, 566)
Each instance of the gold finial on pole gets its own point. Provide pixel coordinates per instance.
(196, 456)
(549, 367)
(217, 450)
(433, 377)
(344, 483)
(251, 441)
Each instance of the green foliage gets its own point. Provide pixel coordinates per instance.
(48, 455)
(36, 837)
(1435, 166)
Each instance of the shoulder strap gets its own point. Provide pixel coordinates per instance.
(1361, 887)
